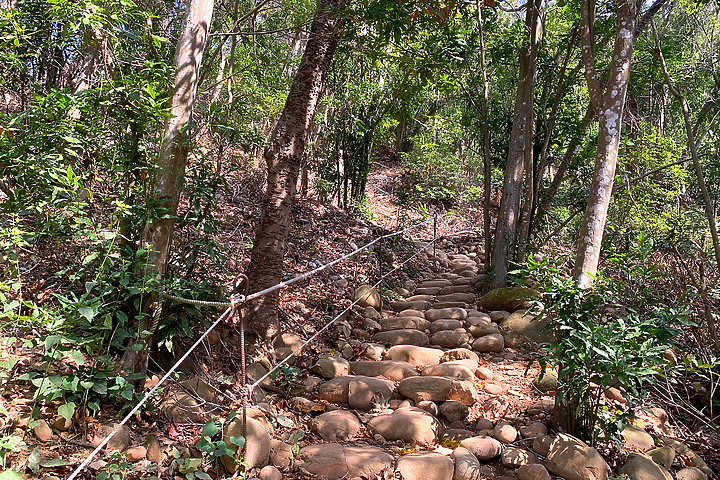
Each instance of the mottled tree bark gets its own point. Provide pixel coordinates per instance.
(170, 171)
(284, 157)
(609, 106)
(608, 103)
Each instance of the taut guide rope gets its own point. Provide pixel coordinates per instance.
(299, 277)
(236, 301)
(316, 334)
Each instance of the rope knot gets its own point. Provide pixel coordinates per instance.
(236, 301)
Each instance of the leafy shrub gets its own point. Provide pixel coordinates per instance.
(598, 345)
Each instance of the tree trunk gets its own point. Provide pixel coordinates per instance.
(609, 104)
(552, 189)
(94, 49)
(523, 235)
(505, 242)
(609, 108)
(170, 172)
(284, 157)
(485, 132)
(542, 167)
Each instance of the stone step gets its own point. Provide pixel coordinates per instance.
(405, 336)
(400, 323)
(394, 370)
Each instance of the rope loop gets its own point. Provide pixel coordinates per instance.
(236, 301)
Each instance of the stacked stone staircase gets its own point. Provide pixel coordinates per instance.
(408, 395)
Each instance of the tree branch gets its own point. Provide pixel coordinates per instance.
(647, 16)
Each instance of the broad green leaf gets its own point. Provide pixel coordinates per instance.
(210, 429)
(10, 475)
(67, 410)
(77, 357)
(51, 341)
(238, 440)
(87, 312)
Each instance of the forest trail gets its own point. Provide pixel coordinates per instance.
(436, 375)
(439, 383)
(443, 384)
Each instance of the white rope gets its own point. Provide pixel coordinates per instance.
(222, 317)
(149, 394)
(334, 262)
(316, 334)
(299, 277)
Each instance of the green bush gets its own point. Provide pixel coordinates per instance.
(599, 345)
(603, 338)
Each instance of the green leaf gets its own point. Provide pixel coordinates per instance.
(210, 429)
(87, 312)
(238, 440)
(77, 357)
(34, 460)
(67, 410)
(190, 465)
(100, 387)
(51, 341)
(10, 475)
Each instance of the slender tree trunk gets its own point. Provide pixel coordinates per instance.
(609, 104)
(217, 86)
(523, 235)
(485, 132)
(692, 146)
(505, 243)
(572, 147)
(543, 163)
(609, 107)
(284, 156)
(170, 172)
(94, 49)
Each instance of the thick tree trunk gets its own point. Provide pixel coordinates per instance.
(284, 157)
(170, 171)
(504, 246)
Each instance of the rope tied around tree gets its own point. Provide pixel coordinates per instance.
(234, 307)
